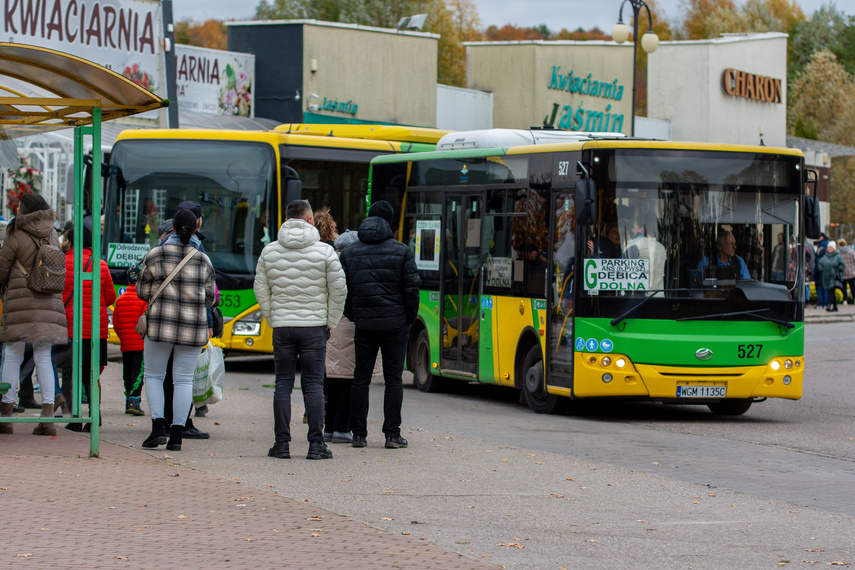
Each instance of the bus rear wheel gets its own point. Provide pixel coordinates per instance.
(423, 378)
(730, 407)
(534, 387)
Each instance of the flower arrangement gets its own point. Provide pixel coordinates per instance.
(236, 94)
(141, 78)
(25, 180)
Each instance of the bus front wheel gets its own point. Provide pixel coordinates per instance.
(534, 387)
(730, 407)
(423, 378)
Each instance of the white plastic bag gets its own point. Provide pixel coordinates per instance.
(209, 376)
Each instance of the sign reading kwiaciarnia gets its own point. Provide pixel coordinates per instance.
(617, 274)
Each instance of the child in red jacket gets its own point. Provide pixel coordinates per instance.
(126, 313)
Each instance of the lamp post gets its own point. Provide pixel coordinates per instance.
(649, 42)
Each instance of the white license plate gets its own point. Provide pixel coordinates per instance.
(701, 391)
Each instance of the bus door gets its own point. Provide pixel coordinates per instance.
(461, 284)
(560, 340)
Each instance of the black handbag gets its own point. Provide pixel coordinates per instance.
(217, 315)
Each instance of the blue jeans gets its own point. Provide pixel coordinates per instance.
(821, 292)
(393, 346)
(310, 344)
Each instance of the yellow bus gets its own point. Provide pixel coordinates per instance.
(243, 180)
(582, 267)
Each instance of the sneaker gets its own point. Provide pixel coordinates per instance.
(201, 411)
(193, 433)
(327, 436)
(133, 408)
(342, 437)
(359, 441)
(280, 450)
(16, 409)
(319, 450)
(395, 442)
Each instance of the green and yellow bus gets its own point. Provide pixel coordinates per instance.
(582, 267)
(243, 180)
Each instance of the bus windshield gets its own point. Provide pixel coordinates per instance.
(235, 182)
(720, 228)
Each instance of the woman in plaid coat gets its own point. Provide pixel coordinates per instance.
(177, 324)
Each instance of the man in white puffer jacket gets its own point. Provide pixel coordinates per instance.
(301, 289)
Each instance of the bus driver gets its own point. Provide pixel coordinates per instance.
(725, 245)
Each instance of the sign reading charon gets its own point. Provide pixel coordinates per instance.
(582, 119)
(750, 86)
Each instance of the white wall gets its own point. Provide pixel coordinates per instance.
(463, 109)
(685, 86)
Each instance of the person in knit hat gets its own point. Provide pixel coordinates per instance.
(382, 302)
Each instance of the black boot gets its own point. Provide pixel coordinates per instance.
(175, 434)
(158, 434)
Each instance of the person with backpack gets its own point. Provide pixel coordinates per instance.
(29, 314)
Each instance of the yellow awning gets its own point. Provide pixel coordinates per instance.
(44, 90)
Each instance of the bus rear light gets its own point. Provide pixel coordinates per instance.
(620, 362)
(787, 380)
(775, 365)
(607, 377)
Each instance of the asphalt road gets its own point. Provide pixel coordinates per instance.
(630, 485)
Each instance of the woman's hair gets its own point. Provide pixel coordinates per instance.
(184, 223)
(87, 237)
(32, 203)
(325, 224)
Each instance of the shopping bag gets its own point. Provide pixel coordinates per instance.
(209, 376)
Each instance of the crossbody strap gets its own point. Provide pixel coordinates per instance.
(169, 277)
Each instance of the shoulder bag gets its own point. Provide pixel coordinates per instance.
(142, 323)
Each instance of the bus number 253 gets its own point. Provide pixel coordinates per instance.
(749, 350)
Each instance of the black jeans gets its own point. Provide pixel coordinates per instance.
(310, 344)
(337, 391)
(393, 347)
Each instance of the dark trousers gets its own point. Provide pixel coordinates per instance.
(337, 416)
(393, 346)
(310, 345)
(848, 285)
(132, 372)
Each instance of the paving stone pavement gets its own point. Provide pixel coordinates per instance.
(129, 509)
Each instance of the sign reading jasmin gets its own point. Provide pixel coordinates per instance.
(122, 35)
(617, 274)
(215, 81)
(584, 119)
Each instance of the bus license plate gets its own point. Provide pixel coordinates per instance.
(701, 391)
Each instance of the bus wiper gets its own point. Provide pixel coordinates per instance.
(632, 309)
(753, 313)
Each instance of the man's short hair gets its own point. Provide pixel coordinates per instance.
(298, 209)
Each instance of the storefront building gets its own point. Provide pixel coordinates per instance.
(309, 71)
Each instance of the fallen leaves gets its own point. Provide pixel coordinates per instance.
(27, 555)
(316, 518)
(511, 544)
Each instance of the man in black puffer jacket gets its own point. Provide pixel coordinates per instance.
(382, 301)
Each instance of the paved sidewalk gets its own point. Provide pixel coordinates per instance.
(131, 510)
(844, 314)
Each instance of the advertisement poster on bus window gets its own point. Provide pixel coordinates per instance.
(126, 254)
(123, 35)
(617, 275)
(215, 81)
(427, 244)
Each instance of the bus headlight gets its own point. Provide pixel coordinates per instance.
(620, 362)
(249, 325)
(775, 365)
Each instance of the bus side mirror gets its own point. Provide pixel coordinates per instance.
(293, 188)
(813, 226)
(586, 202)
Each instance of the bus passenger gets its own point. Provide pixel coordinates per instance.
(606, 244)
(725, 255)
(643, 245)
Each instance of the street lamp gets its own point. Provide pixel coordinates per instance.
(649, 42)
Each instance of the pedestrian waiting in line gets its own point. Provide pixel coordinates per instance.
(176, 323)
(300, 288)
(126, 313)
(382, 302)
(848, 279)
(831, 267)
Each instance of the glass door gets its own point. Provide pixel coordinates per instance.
(461, 284)
(560, 293)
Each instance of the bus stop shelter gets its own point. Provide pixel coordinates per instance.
(44, 90)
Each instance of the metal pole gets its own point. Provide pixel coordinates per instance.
(636, 6)
(95, 276)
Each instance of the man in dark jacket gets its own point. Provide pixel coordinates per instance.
(382, 301)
